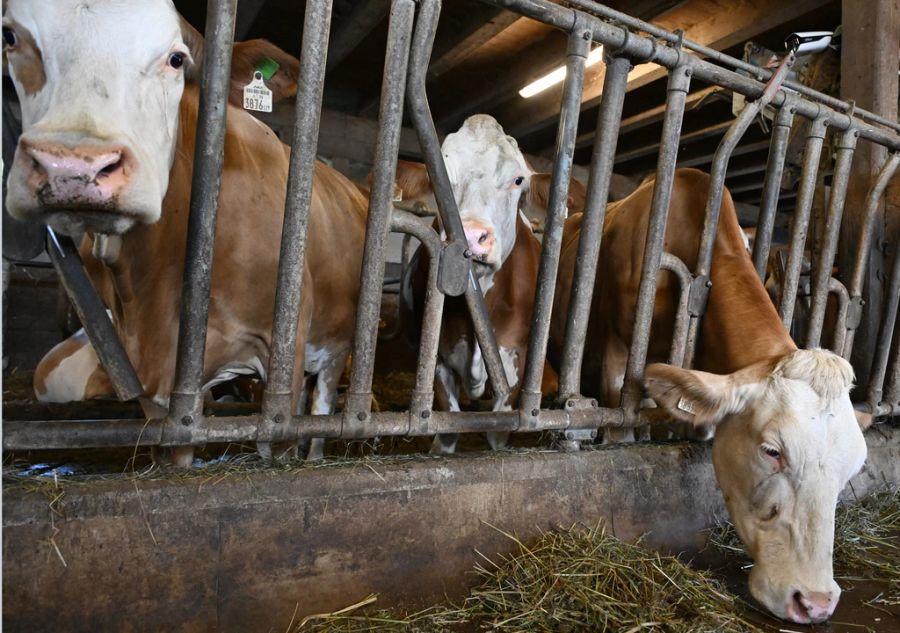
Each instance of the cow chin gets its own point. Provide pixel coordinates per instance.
(76, 222)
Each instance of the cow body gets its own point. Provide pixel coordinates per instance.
(135, 247)
(787, 439)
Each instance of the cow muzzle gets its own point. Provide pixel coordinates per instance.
(795, 602)
(482, 242)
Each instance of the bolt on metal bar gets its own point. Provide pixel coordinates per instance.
(578, 48)
(92, 314)
(864, 246)
(885, 336)
(716, 191)
(682, 315)
(762, 74)
(209, 156)
(677, 89)
(781, 131)
(455, 276)
(604, 152)
(277, 398)
(387, 145)
(836, 288)
(822, 273)
(811, 154)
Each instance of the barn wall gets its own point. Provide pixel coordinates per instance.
(241, 554)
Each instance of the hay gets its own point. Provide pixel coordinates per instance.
(571, 580)
(866, 542)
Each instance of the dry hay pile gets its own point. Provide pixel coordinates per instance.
(570, 580)
(866, 543)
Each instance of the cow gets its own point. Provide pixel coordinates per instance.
(786, 439)
(490, 180)
(109, 100)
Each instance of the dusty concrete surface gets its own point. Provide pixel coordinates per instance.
(242, 553)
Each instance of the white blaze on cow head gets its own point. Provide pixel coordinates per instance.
(100, 83)
(787, 441)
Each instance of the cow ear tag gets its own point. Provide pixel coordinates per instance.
(257, 96)
(686, 405)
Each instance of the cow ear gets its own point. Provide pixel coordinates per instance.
(539, 193)
(694, 396)
(412, 179)
(250, 56)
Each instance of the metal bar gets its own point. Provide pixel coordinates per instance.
(714, 200)
(277, 399)
(682, 316)
(772, 186)
(836, 288)
(455, 275)
(606, 139)
(92, 314)
(185, 404)
(891, 395)
(422, 397)
(576, 56)
(387, 145)
(645, 49)
(762, 74)
(865, 244)
(822, 270)
(811, 154)
(885, 336)
(678, 84)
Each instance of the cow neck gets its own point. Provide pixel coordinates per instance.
(741, 326)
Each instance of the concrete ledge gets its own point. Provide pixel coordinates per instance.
(242, 553)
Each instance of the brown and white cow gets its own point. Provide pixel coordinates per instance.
(490, 181)
(787, 440)
(109, 121)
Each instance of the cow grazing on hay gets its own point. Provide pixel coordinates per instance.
(109, 100)
(786, 441)
(490, 180)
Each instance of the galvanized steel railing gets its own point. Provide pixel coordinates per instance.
(411, 33)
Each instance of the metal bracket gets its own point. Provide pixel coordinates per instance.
(698, 295)
(583, 419)
(453, 269)
(854, 312)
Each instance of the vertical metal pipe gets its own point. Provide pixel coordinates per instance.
(280, 377)
(862, 250)
(892, 391)
(678, 85)
(682, 316)
(772, 185)
(885, 336)
(605, 141)
(209, 156)
(840, 293)
(714, 202)
(822, 273)
(813, 151)
(576, 55)
(387, 146)
(455, 275)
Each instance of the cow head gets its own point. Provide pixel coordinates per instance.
(787, 441)
(100, 84)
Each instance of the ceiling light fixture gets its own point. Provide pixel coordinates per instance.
(556, 76)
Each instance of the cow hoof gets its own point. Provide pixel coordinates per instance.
(443, 445)
(180, 456)
(497, 439)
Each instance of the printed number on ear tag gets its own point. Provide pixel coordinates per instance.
(686, 405)
(256, 95)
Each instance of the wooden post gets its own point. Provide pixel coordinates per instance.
(869, 58)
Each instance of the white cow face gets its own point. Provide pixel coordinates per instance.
(488, 174)
(100, 82)
(786, 444)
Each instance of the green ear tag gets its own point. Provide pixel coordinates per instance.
(268, 67)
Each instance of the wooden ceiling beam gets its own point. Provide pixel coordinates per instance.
(459, 50)
(347, 35)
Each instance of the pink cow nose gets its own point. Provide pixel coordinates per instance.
(83, 175)
(480, 238)
(814, 606)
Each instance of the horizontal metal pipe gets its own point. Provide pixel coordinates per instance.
(576, 56)
(822, 270)
(772, 186)
(92, 314)
(586, 260)
(865, 244)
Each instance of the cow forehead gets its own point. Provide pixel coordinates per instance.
(126, 30)
(481, 148)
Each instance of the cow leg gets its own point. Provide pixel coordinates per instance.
(71, 372)
(446, 399)
(615, 358)
(324, 396)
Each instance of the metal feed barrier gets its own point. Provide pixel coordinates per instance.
(411, 34)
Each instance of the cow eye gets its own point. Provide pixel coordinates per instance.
(176, 60)
(771, 451)
(9, 37)
(519, 180)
